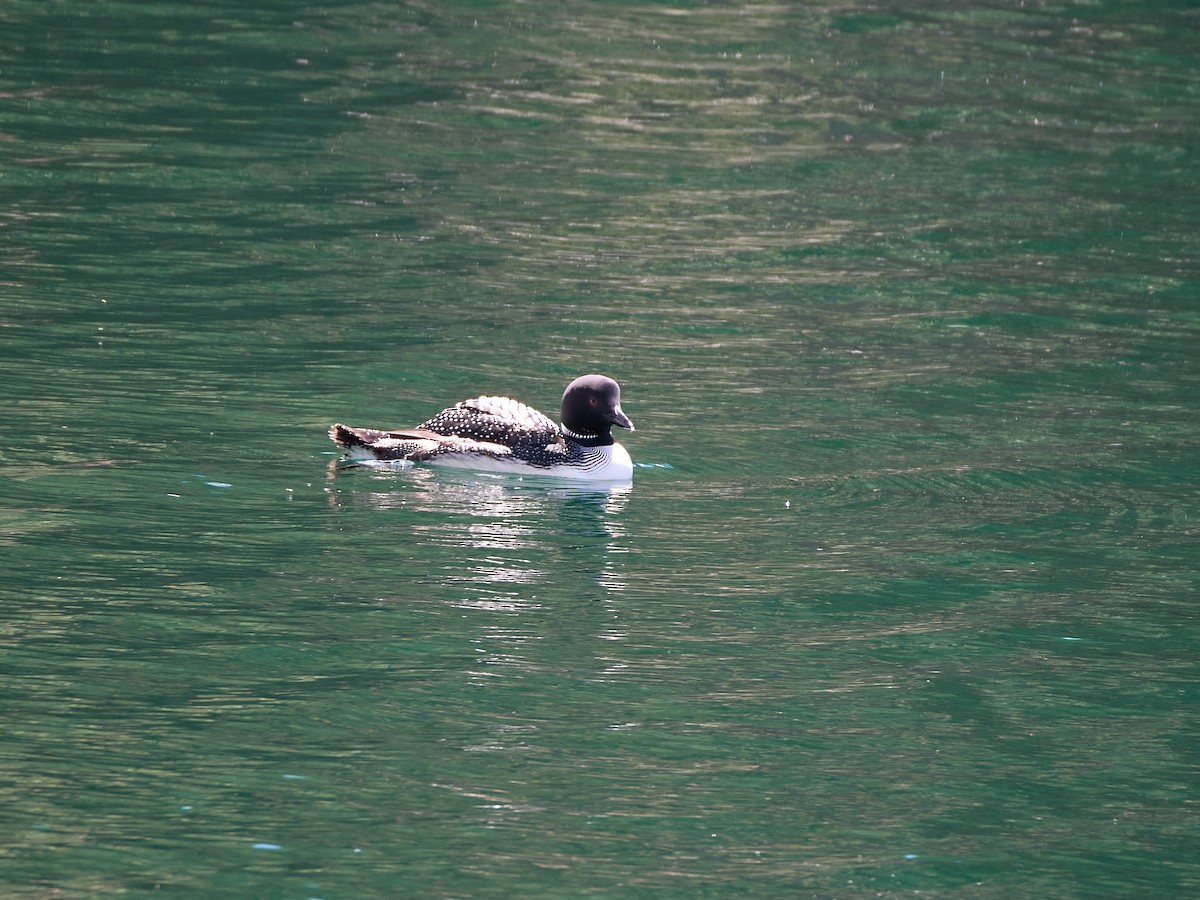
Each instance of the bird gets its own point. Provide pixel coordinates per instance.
(499, 434)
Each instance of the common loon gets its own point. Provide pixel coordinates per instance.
(498, 434)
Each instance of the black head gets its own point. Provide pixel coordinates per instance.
(591, 405)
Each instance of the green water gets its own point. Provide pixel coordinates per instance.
(904, 302)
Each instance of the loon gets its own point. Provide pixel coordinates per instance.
(499, 434)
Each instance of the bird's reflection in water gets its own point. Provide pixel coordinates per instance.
(522, 559)
(528, 528)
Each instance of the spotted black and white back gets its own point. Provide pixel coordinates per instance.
(501, 423)
(494, 419)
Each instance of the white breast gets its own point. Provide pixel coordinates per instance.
(611, 463)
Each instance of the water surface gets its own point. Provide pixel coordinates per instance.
(903, 302)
